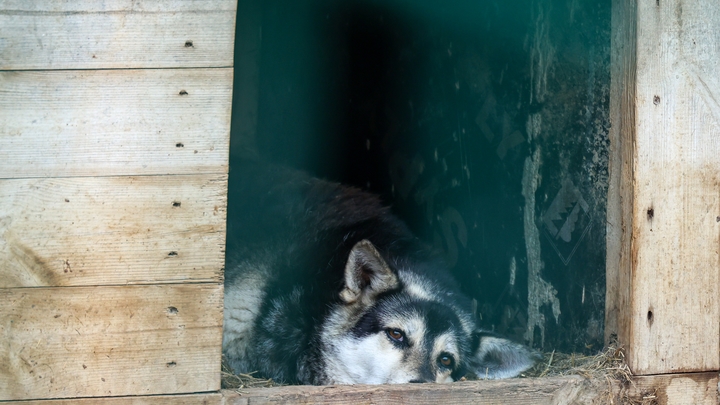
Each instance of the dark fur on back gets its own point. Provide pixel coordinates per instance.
(290, 237)
(307, 227)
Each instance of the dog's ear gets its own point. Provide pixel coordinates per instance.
(366, 274)
(497, 357)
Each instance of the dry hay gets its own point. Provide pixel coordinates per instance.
(230, 380)
(607, 367)
(609, 363)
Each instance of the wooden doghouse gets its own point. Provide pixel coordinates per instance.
(113, 164)
(113, 161)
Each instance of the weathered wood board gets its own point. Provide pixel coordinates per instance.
(676, 389)
(114, 122)
(620, 193)
(668, 312)
(112, 230)
(116, 34)
(672, 389)
(560, 390)
(182, 399)
(682, 389)
(113, 172)
(109, 341)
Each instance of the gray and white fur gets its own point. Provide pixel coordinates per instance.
(323, 285)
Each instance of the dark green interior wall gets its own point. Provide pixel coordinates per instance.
(483, 123)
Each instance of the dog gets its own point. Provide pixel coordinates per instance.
(323, 285)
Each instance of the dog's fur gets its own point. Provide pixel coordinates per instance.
(324, 286)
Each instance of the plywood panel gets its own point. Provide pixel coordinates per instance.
(105, 341)
(669, 280)
(50, 34)
(114, 122)
(112, 230)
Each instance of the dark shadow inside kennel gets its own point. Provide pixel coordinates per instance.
(483, 124)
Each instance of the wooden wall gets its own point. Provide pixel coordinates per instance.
(664, 207)
(113, 164)
(113, 184)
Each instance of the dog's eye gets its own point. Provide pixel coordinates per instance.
(446, 360)
(396, 335)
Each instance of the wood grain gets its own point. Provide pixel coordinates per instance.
(109, 341)
(114, 122)
(664, 205)
(671, 389)
(620, 166)
(112, 230)
(559, 390)
(677, 389)
(181, 399)
(675, 305)
(50, 34)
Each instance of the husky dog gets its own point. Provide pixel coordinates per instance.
(323, 285)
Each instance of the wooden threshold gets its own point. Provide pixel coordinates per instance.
(687, 388)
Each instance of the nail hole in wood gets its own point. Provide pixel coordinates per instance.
(183, 93)
(188, 44)
(171, 364)
(650, 317)
(172, 310)
(173, 253)
(656, 100)
(650, 214)
(176, 204)
(179, 145)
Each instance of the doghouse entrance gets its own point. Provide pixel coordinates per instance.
(483, 124)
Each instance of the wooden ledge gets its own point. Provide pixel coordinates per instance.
(514, 391)
(688, 388)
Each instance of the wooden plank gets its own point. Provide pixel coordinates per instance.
(114, 122)
(670, 389)
(620, 166)
(112, 230)
(669, 254)
(558, 390)
(49, 34)
(181, 399)
(109, 341)
(680, 389)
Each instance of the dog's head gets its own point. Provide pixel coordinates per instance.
(395, 326)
